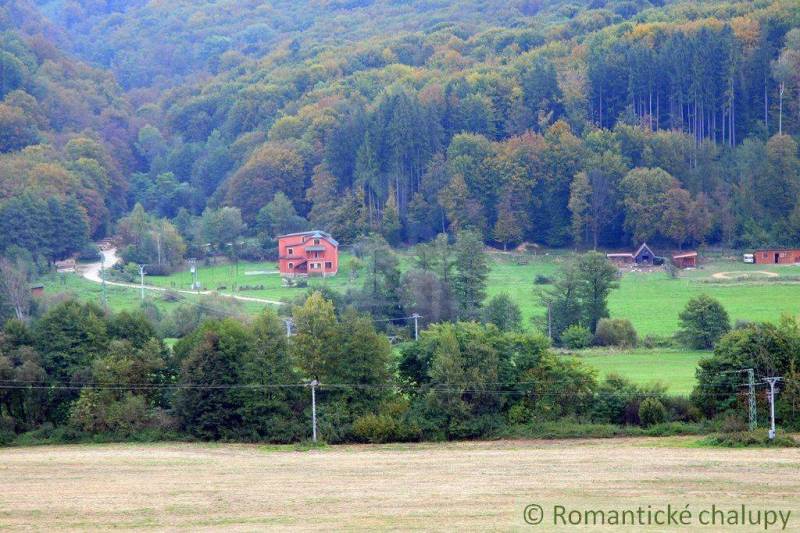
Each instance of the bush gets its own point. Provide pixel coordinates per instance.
(657, 341)
(652, 412)
(732, 423)
(541, 279)
(171, 296)
(576, 337)
(615, 332)
(375, 428)
(746, 439)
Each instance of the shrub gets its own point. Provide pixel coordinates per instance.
(703, 322)
(576, 337)
(519, 414)
(652, 412)
(657, 341)
(732, 423)
(615, 332)
(541, 279)
(375, 428)
(745, 439)
(171, 296)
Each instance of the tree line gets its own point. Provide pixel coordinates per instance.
(76, 372)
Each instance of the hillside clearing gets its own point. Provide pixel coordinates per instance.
(455, 486)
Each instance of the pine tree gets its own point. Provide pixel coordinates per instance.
(469, 281)
(391, 225)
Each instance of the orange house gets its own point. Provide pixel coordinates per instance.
(308, 253)
(777, 256)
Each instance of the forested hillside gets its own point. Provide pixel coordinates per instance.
(563, 123)
(66, 141)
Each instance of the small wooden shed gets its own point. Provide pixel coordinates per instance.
(644, 255)
(685, 260)
(620, 259)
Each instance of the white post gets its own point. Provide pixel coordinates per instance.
(416, 318)
(314, 384)
(141, 279)
(772, 382)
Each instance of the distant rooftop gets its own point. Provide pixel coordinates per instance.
(313, 233)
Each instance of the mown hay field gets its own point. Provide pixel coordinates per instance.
(455, 486)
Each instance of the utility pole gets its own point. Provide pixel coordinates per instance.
(550, 321)
(416, 318)
(314, 383)
(141, 279)
(772, 381)
(751, 386)
(193, 270)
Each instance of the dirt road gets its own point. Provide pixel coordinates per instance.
(110, 258)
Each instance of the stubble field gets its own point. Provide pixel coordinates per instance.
(458, 486)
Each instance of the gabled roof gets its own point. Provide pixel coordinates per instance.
(642, 248)
(316, 234)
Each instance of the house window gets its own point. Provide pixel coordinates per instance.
(290, 251)
(291, 266)
(316, 241)
(328, 265)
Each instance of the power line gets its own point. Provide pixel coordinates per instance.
(516, 388)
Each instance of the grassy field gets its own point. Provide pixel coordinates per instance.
(673, 368)
(122, 298)
(455, 486)
(652, 300)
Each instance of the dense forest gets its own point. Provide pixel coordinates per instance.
(586, 124)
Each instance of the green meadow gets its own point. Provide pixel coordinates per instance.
(673, 368)
(651, 300)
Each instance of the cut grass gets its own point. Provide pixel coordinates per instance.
(674, 369)
(467, 486)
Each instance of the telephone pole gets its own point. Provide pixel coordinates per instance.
(141, 279)
(314, 383)
(772, 381)
(751, 400)
(416, 318)
(193, 270)
(550, 321)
